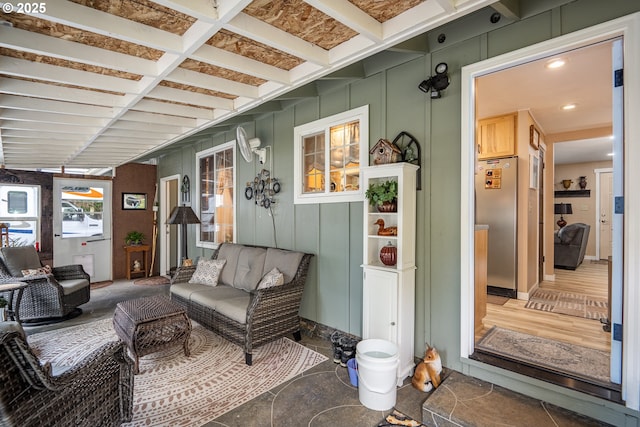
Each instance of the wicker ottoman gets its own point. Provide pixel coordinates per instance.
(151, 324)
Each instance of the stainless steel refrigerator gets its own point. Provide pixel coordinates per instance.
(497, 207)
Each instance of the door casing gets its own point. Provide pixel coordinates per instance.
(168, 235)
(628, 28)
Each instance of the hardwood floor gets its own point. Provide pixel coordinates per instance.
(590, 278)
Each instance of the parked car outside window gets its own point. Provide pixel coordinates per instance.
(71, 212)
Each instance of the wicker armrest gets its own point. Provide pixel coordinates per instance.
(183, 274)
(98, 390)
(96, 363)
(276, 299)
(40, 280)
(73, 271)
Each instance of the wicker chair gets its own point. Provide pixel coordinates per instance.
(48, 296)
(96, 392)
(272, 313)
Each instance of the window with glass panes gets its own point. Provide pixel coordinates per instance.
(217, 195)
(329, 154)
(313, 149)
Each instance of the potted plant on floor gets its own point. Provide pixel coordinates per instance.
(134, 238)
(383, 196)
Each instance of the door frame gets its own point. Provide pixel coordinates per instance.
(628, 28)
(598, 173)
(83, 246)
(164, 230)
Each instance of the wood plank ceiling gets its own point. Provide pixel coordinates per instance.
(98, 83)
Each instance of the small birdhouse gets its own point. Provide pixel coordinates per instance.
(385, 152)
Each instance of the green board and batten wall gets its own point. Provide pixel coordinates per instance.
(333, 231)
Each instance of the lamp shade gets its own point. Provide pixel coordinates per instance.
(563, 208)
(183, 215)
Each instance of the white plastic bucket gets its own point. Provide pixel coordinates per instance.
(377, 370)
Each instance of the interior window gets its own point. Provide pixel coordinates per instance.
(328, 156)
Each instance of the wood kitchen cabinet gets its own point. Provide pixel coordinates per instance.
(496, 137)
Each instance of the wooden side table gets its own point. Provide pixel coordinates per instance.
(145, 253)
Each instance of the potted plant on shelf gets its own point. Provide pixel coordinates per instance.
(383, 195)
(134, 238)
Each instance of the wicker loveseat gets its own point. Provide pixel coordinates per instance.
(49, 296)
(98, 391)
(234, 308)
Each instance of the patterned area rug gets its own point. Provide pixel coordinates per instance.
(583, 362)
(172, 389)
(397, 418)
(154, 280)
(578, 305)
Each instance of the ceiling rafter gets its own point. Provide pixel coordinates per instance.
(40, 44)
(351, 16)
(47, 91)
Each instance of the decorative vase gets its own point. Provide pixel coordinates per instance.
(582, 182)
(566, 183)
(388, 207)
(389, 254)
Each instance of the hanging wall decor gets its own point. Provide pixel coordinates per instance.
(263, 188)
(410, 149)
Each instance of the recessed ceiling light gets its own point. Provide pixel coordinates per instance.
(610, 154)
(555, 63)
(569, 107)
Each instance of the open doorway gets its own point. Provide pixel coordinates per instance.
(534, 110)
(169, 197)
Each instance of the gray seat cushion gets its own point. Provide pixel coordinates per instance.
(227, 300)
(285, 261)
(250, 268)
(234, 308)
(185, 290)
(229, 252)
(70, 286)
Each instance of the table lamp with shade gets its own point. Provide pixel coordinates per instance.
(562, 209)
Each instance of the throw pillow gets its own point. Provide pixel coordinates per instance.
(36, 271)
(272, 278)
(208, 271)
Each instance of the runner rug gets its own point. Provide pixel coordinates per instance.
(578, 305)
(154, 280)
(103, 284)
(586, 363)
(172, 389)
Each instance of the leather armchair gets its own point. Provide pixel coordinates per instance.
(570, 245)
(49, 296)
(97, 391)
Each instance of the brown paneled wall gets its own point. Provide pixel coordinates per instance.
(132, 178)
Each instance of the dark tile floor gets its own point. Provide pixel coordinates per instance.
(323, 396)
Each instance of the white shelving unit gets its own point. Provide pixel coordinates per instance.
(389, 291)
